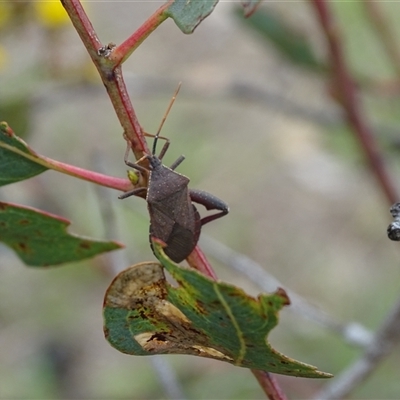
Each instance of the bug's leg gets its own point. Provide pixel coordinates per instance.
(131, 164)
(132, 192)
(164, 148)
(177, 162)
(210, 202)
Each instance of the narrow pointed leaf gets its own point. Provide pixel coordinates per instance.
(41, 239)
(14, 166)
(145, 315)
(187, 14)
(291, 43)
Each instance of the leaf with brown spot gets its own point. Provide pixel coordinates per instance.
(145, 315)
(41, 239)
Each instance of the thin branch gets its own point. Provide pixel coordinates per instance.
(347, 96)
(125, 49)
(71, 170)
(119, 96)
(110, 71)
(266, 380)
(83, 26)
(387, 337)
(109, 68)
(110, 74)
(269, 384)
(389, 333)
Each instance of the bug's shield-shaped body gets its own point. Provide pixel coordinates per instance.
(173, 217)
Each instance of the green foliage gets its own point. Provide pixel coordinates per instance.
(15, 167)
(188, 14)
(145, 315)
(40, 239)
(289, 42)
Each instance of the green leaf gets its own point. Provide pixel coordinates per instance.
(41, 239)
(145, 315)
(291, 43)
(15, 167)
(187, 14)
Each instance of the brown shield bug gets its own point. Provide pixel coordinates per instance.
(173, 217)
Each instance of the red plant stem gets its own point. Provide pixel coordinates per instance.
(90, 176)
(350, 103)
(126, 114)
(198, 261)
(83, 26)
(267, 381)
(110, 72)
(110, 75)
(269, 384)
(125, 49)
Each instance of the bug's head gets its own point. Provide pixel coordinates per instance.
(154, 161)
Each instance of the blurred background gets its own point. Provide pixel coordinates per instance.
(259, 129)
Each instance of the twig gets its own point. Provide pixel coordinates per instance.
(387, 337)
(123, 51)
(389, 333)
(347, 97)
(269, 384)
(76, 172)
(109, 68)
(110, 74)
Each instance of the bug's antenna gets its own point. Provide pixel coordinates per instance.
(165, 117)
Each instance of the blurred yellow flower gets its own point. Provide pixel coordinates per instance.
(5, 13)
(51, 14)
